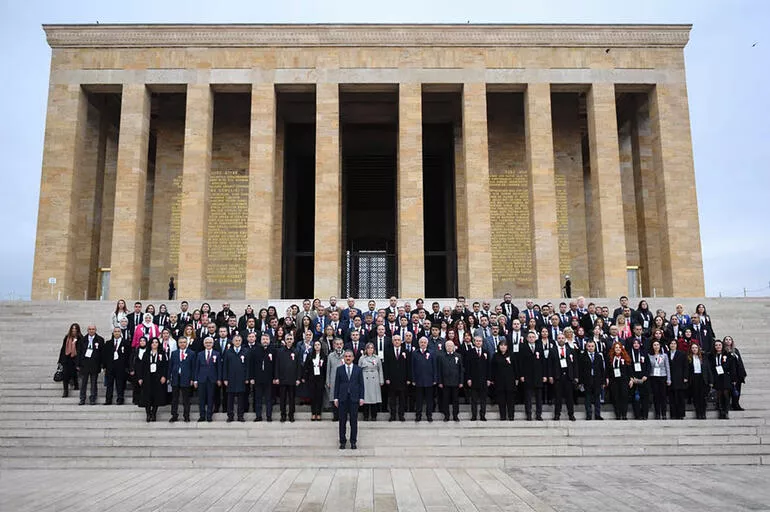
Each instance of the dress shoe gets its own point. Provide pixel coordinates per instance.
(483, 418)
(456, 418)
(417, 419)
(187, 420)
(430, 419)
(402, 418)
(82, 402)
(229, 420)
(269, 419)
(172, 419)
(201, 419)
(446, 418)
(108, 402)
(598, 418)
(291, 418)
(210, 420)
(258, 419)
(241, 419)
(556, 418)
(539, 418)
(473, 418)
(283, 419)
(392, 418)
(353, 446)
(119, 401)
(65, 393)
(342, 446)
(572, 417)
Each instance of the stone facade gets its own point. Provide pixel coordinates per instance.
(572, 155)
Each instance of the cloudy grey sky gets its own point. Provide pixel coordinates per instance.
(727, 78)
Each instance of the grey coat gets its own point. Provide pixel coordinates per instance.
(333, 361)
(661, 363)
(371, 366)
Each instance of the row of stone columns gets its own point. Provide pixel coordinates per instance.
(606, 236)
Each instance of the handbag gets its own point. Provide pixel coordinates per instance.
(58, 375)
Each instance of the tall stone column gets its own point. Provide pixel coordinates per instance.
(411, 254)
(542, 189)
(259, 245)
(65, 130)
(196, 168)
(128, 240)
(682, 259)
(607, 240)
(328, 232)
(476, 157)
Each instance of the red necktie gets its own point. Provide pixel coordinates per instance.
(562, 353)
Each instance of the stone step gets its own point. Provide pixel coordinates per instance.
(350, 459)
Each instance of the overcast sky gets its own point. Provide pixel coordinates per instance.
(727, 78)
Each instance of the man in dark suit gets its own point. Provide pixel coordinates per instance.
(261, 371)
(588, 320)
(593, 380)
(206, 377)
(619, 310)
(531, 372)
(450, 380)
(180, 375)
(565, 379)
(235, 376)
(345, 317)
(90, 362)
(396, 368)
(477, 367)
(702, 333)
(509, 309)
(424, 378)
(348, 397)
(287, 376)
(135, 318)
(223, 317)
(116, 354)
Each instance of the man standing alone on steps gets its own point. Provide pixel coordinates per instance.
(348, 397)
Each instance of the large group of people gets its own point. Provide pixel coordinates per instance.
(399, 358)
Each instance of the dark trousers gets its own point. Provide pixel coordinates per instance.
(397, 399)
(176, 392)
(70, 373)
(206, 399)
(563, 393)
(287, 395)
(424, 394)
(736, 395)
(411, 398)
(530, 391)
(479, 400)
(593, 401)
(263, 392)
(383, 406)
(698, 391)
(640, 404)
(506, 399)
(348, 411)
(231, 398)
(116, 382)
(619, 391)
(658, 385)
(220, 398)
(316, 396)
(450, 395)
(84, 378)
(676, 402)
(723, 401)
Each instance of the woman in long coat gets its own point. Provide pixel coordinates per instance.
(373, 379)
(740, 371)
(677, 364)
(152, 377)
(135, 369)
(68, 356)
(314, 378)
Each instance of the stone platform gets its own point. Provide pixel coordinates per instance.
(56, 455)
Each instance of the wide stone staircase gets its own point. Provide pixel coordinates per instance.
(39, 429)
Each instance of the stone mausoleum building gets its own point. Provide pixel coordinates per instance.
(287, 161)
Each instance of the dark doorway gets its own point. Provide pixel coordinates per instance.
(296, 133)
(441, 121)
(369, 144)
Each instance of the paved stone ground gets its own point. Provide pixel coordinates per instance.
(594, 489)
